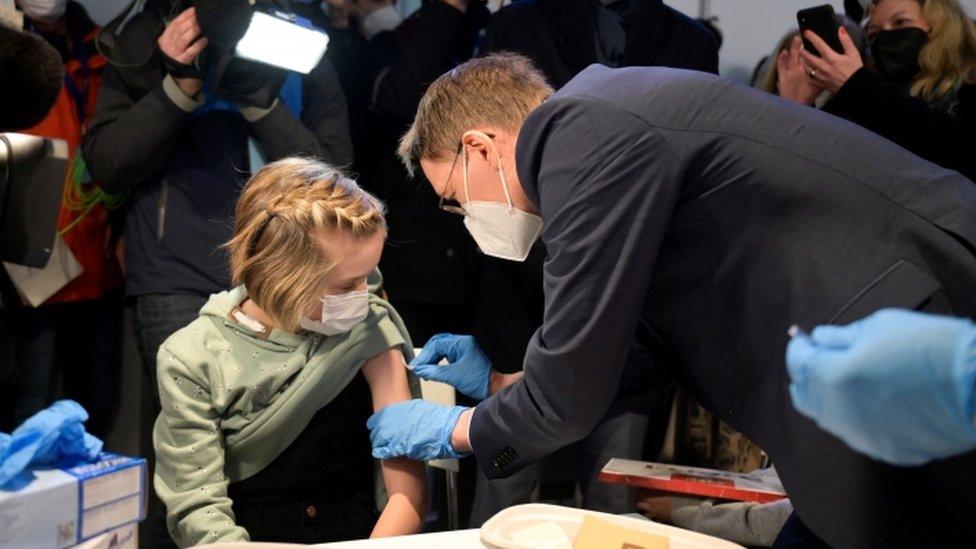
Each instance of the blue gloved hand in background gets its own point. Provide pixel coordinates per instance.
(53, 436)
(468, 369)
(897, 385)
(415, 429)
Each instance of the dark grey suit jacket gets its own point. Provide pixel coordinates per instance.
(706, 218)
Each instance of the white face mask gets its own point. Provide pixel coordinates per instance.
(43, 10)
(500, 230)
(339, 313)
(383, 19)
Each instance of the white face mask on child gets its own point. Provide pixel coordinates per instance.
(339, 313)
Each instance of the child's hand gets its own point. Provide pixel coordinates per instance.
(655, 505)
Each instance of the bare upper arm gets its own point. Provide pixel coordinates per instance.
(386, 374)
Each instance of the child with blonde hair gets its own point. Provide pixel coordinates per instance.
(262, 434)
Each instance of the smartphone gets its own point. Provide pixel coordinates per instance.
(824, 23)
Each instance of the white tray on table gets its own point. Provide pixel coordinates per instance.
(496, 533)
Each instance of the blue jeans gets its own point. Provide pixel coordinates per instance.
(79, 343)
(155, 317)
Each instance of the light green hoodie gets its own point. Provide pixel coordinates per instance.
(233, 399)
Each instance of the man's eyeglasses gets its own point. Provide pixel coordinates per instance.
(453, 206)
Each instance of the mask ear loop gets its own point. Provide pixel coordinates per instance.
(501, 175)
(464, 165)
(321, 300)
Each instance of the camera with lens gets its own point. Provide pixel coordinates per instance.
(252, 47)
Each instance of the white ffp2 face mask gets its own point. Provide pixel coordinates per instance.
(339, 313)
(43, 10)
(500, 230)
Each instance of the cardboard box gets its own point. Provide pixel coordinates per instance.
(695, 481)
(63, 507)
(126, 537)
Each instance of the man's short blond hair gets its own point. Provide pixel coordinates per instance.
(282, 214)
(497, 91)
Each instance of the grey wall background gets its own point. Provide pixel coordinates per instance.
(751, 27)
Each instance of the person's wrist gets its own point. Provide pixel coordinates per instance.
(790, 93)
(190, 86)
(496, 380)
(459, 434)
(854, 79)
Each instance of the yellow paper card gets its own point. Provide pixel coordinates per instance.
(597, 533)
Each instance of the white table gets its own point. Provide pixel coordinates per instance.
(458, 539)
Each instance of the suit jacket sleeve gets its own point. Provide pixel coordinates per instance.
(607, 183)
(136, 121)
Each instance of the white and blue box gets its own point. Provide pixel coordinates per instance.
(63, 507)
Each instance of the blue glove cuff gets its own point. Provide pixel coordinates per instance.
(448, 451)
(967, 373)
(485, 387)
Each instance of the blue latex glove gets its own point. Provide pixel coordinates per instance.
(468, 369)
(50, 437)
(897, 385)
(415, 429)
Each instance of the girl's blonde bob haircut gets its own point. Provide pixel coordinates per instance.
(282, 217)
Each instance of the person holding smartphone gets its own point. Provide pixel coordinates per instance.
(922, 91)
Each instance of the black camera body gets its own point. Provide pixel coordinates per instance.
(32, 172)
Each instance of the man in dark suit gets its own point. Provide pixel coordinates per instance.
(562, 38)
(702, 218)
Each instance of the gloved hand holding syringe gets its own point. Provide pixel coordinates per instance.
(468, 369)
(897, 385)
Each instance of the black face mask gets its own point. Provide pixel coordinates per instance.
(896, 53)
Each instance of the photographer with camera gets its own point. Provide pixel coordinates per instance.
(185, 151)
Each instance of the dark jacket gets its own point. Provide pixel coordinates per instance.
(559, 38)
(945, 137)
(558, 35)
(185, 170)
(705, 218)
(429, 258)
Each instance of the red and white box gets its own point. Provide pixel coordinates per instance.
(694, 481)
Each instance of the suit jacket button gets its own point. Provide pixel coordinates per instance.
(311, 511)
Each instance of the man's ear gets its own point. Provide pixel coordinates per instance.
(478, 145)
